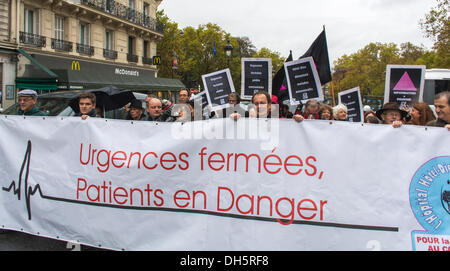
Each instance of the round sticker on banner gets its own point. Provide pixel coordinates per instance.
(429, 196)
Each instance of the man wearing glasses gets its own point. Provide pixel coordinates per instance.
(27, 103)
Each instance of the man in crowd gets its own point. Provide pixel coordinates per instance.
(27, 103)
(442, 107)
(262, 107)
(183, 111)
(86, 102)
(391, 113)
(155, 113)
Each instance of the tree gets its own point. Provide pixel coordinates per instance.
(277, 59)
(437, 27)
(169, 45)
(366, 68)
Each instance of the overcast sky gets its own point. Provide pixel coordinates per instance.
(294, 24)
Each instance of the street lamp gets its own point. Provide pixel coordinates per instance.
(228, 49)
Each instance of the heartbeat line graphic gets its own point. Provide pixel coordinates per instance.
(30, 190)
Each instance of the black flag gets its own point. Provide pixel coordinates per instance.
(279, 82)
(319, 52)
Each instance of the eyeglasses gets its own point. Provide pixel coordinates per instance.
(393, 114)
(25, 99)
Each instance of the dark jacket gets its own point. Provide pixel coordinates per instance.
(33, 112)
(91, 114)
(161, 118)
(143, 116)
(437, 123)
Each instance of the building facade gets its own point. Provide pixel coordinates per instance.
(84, 44)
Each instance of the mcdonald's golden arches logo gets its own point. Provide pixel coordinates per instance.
(75, 65)
(157, 60)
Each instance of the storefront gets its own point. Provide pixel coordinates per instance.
(50, 73)
(7, 76)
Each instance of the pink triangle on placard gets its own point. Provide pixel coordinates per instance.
(405, 83)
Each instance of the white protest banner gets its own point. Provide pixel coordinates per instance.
(256, 76)
(352, 100)
(404, 84)
(303, 81)
(218, 86)
(264, 184)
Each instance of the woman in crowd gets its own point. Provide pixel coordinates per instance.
(325, 112)
(340, 112)
(421, 114)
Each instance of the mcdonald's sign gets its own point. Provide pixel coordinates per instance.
(157, 60)
(75, 65)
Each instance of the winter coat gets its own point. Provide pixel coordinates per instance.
(33, 112)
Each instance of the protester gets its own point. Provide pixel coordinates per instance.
(285, 113)
(86, 103)
(442, 107)
(261, 108)
(340, 112)
(27, 103)
(235, 107)
(311, 110)
(325, 112)
(421, 114)
(136, 111)
(391, 114)
(99, 111)
(262, 105)
(183, 111)
(370, 117)
(155, 113)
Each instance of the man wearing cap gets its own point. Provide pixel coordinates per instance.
(27, 103)
(391, 113)
(442, 107)
(136, 111)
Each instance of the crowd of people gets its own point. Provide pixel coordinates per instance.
(263, 105)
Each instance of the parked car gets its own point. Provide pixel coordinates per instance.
(57, 104)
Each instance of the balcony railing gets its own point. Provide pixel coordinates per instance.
(32, 39)
(126, 13)
(62, 45)
(146, 60)
(109, 54)
(132, 58)
(85, 49)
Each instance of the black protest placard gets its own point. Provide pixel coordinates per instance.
(404, 84)
(218, 86)
(352, 99)
(303, 81)
(256, 76)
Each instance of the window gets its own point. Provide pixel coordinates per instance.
(146, 47)
(131, 10)
(146, 14)
(109, 40)
(84, 34)
(59, 27)
(131, 45)
(31, 21)
(132, 4)
(109, 5)
(146, 9)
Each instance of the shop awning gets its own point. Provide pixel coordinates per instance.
(36, 76)
(83, 74)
